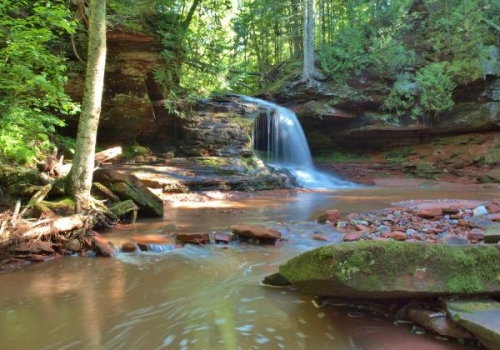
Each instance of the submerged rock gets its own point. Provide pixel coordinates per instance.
(389, 269)
(479, 316)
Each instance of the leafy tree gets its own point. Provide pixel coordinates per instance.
(32, 76)
(80, 177)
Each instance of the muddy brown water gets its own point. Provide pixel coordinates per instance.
(205, 297)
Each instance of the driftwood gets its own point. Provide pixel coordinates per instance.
(22, 230)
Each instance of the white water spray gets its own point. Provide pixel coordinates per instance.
(280, 135)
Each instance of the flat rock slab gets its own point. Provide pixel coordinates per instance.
(390, 269)
(480, 316)
(256, 231)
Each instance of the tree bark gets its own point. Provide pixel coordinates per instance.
(308, 37)
(309, 72)
(80, 178)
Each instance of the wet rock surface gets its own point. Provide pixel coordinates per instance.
(445, 221)
(480, 317)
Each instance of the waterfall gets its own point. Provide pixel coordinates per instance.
(280, 137)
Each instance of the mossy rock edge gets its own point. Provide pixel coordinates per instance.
(390, 269)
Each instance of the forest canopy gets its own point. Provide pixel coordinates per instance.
(423, 50)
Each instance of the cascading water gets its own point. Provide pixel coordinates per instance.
(281, 137)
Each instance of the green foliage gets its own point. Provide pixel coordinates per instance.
(340, 157)
(347, 56)
(429, 91)
(32, 76)
(402, 96)
(24, 133)
(435, 88)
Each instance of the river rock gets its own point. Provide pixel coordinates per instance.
(223, 237)
(492, 234)
(437, 321)
(390, 269)
(479, 316)
(257, 232)
(430, 212)
(102, 244)
(129, 247)
(332, 216)
(194, 237)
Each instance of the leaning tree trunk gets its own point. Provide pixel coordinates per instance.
(80, 178)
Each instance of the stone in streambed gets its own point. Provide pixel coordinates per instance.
(223, 237)
(391, 269)
(481, 317)
(129, 247)
(492, 234)
(256, 232)
(331, 216)
(437, 321)
(194, 237)
(275, 280)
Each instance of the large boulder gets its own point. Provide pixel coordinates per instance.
(390, 269)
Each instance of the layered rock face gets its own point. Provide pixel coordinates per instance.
(333, 117)
(130, 95)
(350, 117)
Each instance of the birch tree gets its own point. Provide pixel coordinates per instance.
(80, 177)
(309, 72)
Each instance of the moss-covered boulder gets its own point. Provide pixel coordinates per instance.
(390, 269)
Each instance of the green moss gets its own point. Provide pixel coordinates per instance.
(371, 264)
(133, 151)
(341, 157)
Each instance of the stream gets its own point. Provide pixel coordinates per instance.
(205, 297)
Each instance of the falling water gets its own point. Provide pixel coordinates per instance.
(280, 135)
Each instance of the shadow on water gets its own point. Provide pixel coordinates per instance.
(201, 297)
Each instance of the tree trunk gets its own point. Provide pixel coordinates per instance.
(80, 178)
(308, 73)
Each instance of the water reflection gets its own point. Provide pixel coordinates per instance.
(199, 297)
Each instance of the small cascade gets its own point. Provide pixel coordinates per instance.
(280, 140)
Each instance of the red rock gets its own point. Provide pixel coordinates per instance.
(320, 237)
(153, 239)
(103, 245)
(398, 235)
(475, 235)
(362, 228)
(195, 237)
(352, 216)
(430, 212)
(256, 231)
(129, 247)
(223, 237)
(463, 223)
(332, 216)
(450, 210)
(494, 217)
(352, 236)
(493, 208)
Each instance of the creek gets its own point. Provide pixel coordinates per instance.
(205, 297)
